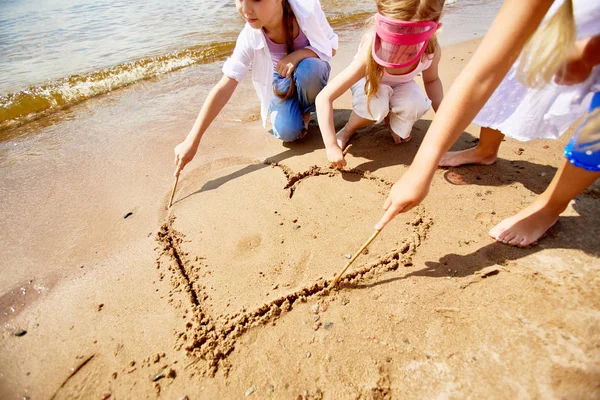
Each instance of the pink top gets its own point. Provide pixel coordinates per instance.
(279, 50)
(391, 80)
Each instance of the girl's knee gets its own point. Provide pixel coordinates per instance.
(312, 73)
(412, 108)
(287, 130)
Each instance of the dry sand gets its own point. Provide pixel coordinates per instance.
(225, 296)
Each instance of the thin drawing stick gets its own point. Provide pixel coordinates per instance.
(346, 150)
(173, 192)
(364, 246)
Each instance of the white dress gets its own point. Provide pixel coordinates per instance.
(524, 113)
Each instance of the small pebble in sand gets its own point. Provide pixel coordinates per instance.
(271, 388)
(184, 398)
(345, 300)
(114, 375)
(323, 306)
(250, 390)
(100, 306)
(308, 354)
(105, 396)
(315, 308)
(129, 214)
(348, 256)
(317, 318)
(20, 332)
(316, 326)
(546, 146)
(296, 227)
(295, 220)
(328, 325)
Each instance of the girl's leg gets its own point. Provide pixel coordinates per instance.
(311, 76)
(530, 224)
(286, 116)
(355, 122)
(362, 115)
(408, 104)
(485, 153)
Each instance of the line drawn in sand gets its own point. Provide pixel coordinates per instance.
(210, 339)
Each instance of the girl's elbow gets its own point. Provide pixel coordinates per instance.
(321, 99)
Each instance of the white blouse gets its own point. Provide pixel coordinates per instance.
(251, 50)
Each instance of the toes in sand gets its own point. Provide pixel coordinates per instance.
(526, 227)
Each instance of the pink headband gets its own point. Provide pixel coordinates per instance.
(394, 37)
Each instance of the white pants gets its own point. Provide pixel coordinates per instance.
(406, 101)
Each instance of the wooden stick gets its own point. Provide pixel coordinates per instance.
(173, 192)
(346, 150)
(364, 246)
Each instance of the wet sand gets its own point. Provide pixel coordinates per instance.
(225, 295)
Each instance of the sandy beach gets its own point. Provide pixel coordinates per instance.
(107, 294)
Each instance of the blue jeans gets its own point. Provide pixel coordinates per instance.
(311, 76)
(580, 153)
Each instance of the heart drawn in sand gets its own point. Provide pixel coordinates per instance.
(248, 241)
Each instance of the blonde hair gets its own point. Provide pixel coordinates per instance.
(548, 48)
(403, 10)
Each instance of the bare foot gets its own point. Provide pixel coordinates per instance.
(395, 136)
(527, 226)
(343, 137)
(399, 140)
(306, 120)
(474, 155)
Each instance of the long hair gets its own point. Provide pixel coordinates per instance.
(404, 10)
(548, 48)
(288, 26)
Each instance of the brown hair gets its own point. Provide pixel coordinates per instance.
(548, 48)
(288, 26)
(404, 10)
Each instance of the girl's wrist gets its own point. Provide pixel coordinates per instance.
(193, 138)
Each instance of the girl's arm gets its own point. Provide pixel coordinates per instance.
(214, 103)
(515, 23)
(432, 82)
(578, 67)
(286, 66)
(324, 102)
